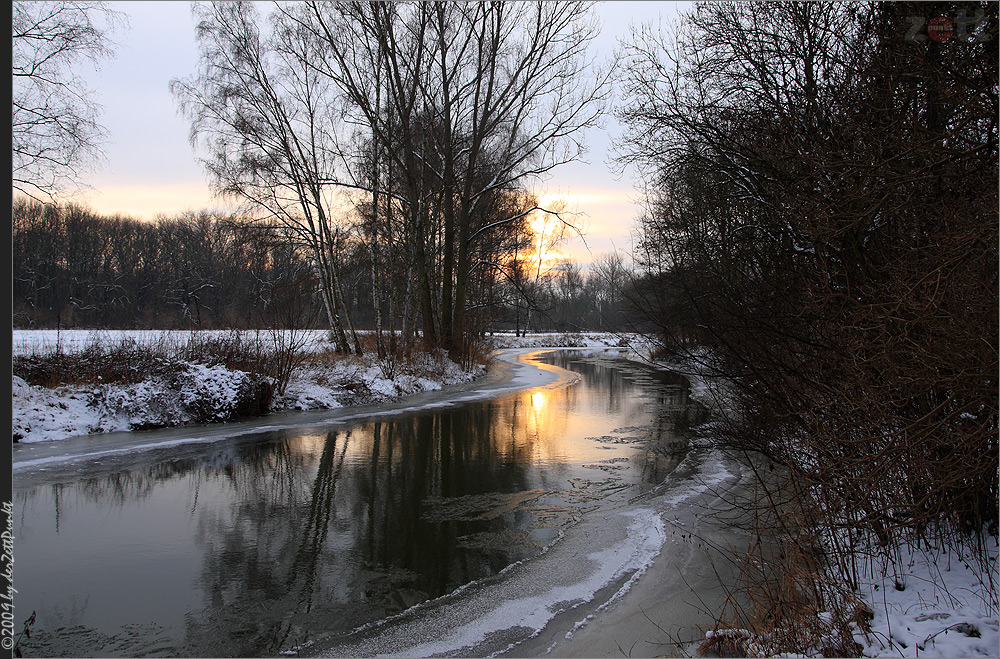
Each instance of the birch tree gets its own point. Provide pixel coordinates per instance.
(269, 125)
(420, 117)
(480, 98)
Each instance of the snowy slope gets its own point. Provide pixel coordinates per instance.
(200, 393)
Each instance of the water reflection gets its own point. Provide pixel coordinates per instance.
(255, 546)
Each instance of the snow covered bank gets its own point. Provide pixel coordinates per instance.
(499, 340)
(630, 553)
(361, 380)
(206, 394)
(198, 393)
(928, 602)
(202, 394)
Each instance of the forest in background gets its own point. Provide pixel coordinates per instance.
(74, 268)
(399, 138)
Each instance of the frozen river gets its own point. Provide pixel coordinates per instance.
(479, 520)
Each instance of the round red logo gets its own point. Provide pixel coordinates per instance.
(940, 28)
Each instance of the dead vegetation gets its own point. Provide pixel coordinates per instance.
(822, 220)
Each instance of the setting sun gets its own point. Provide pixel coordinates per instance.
(549, 231)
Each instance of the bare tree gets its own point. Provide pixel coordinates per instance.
(55, 129)
(479, 99)
(419, 118)
(269, 124)
(517, 108)
(797, 156)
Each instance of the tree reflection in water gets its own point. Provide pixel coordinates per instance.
(340, 540)
(319, 531)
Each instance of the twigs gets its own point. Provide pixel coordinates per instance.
(24, 632)
(796, 231)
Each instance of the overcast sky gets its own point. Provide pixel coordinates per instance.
(150, 166)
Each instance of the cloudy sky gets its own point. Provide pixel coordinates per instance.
(151, 168)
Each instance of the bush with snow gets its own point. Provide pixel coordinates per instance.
(196, 394)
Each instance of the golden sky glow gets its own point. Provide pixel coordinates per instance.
(151, 169)
(547, 228)
(146, 201)
(605, 218)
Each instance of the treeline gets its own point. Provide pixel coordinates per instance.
(565, 297)
(823, 217)
(73, 267)
(76, 268)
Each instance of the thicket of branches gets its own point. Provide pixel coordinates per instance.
(823, 216)
(565, 297)
(55, 129)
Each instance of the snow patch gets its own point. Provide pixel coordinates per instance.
(937, 605)
(206, 394)
(631, 556)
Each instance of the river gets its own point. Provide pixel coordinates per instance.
(465, 522)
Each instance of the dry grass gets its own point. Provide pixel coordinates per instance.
(128, 361)
(99, 362)
(789, 595)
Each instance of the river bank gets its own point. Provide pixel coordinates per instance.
(349, 515)
(929, 601)
(655, 590)
(195, 393)
(629, 580)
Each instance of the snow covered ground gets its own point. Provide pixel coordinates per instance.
(41, 414)
(28, 341)
(931, 603)
(563, 340)
(937, 605)
(935, 602)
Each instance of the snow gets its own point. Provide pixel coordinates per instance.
(930, 602)
(943, 608)
(562, 340)
(201, 393)
(533, 610)
(947, 606)
(41, 414)
(490, 617)
(28, 341)
(354, 380)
